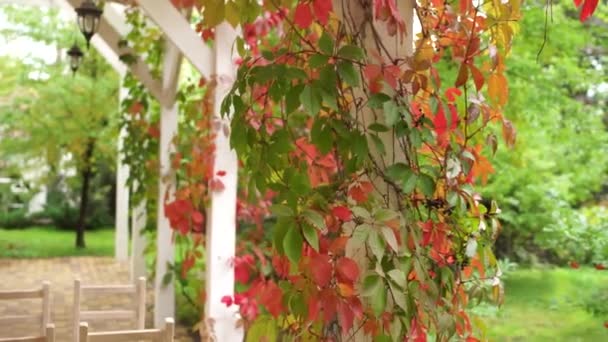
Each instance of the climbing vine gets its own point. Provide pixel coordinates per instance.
(369, 152)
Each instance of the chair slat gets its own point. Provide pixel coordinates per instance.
(109, 314)
(33, 320)
(108, 289)
(126, 335)
(20, 294)
(24, 339)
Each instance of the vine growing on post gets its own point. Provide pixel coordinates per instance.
(372, 155)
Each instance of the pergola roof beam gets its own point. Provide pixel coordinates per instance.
(178, 30)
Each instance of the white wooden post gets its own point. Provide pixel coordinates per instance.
(121, 237)
(164, 296)
(138, 241)
(221, 216)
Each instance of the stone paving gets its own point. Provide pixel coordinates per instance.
(61, 272)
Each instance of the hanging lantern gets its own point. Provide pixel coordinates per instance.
(75, 55)
(88, 19)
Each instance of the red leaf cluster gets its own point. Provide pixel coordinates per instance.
(303, 15)
(588, 8)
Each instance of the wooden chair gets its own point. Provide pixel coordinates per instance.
(47, 330)
(156, 335)
(137, 290)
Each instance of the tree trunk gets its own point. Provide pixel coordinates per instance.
(86, 174)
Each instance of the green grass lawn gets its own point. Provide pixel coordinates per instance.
(48, 242)
(550, 305)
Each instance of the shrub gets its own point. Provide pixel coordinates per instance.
(15, 219)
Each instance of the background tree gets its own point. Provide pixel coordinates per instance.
(53, 118)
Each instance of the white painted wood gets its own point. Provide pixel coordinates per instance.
(141, 303)
(46, 306)
(29, 320)
(138, 241)
(20, 294)
(76, 310)
(121, 236)
(164, 296)
(178, 30)
(221, 216)
(158, 335)
(25, 339)
(50, 333)
(103, 290)
(106, 315)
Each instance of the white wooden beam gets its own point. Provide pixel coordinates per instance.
(164, 296)
(138, 241)
(221, 216)
(121, 236)
(178, 30)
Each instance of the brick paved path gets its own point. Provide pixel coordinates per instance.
(29, 273)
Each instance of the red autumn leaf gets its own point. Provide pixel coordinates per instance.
(574, 264)
(600, 267)
(346, 317)
(303, 15)
(227, 300)
(606, 324)
(343, 213)
(314, 306)
(391, 74)
(477, 77)
(440, 123)
(321, 269)
(197, 218)
(221, 173)
(346, 290)
(187, 264)
(136, 108)
(280, 265)
(373, 74)
(272, 298)
(216, 185)
(452, 93)
(360, 191)
(347, 269)
(322, 8)
(589, 7)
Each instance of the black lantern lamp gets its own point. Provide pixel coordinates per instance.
(75, 55)
(88, 19)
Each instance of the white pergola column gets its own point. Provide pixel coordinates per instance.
(164, 296)
(121, 236)
(221, 216)
(138, 241)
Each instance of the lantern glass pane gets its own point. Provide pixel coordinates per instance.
(89, 24)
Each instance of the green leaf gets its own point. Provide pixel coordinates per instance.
(351, 52)
(311, 100)
(391, 113)
(378, 143)
(349, 74)
(378, 127)
(371, 285)
(310, 233)
(410, 184)
(426, 185)
(264, 328)
(399, 297)
(389, 237)
(398, 172)
(315, 219)
(384, 215)
(378, 302)
(326, 44)
(377, 101)
(317, 60)
(376, 244)
(292, 244)
(279, 232)
(281, 210)
(398, 277)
